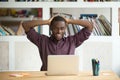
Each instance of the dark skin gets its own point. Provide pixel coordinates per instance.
(58, 30)
(59, 27)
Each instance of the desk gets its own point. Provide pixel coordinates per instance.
(40, 75)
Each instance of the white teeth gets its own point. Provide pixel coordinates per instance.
(58, 34)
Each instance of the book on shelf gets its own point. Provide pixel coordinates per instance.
(101, 27)
(106, 23)
(70, 29)
(88, 16)
(66, 32)
(9, 30)
(96, 28)
(4, 30)
(20, 30)
(75, 28)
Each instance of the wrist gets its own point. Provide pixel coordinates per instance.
(68, 21)
(47, 22)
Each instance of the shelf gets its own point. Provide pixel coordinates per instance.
(58, 4)
(100, 38)
(14, 19)
(14, 38)
(18, 18)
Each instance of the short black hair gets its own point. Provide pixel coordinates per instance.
(57, 18)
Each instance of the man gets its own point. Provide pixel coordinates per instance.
(57, 44)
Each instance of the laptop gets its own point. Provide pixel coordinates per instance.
(63, 65)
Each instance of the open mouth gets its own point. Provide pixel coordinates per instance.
(58, 36)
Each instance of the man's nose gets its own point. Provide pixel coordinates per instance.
(58, 31)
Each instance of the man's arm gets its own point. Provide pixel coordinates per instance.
(84, 23)
(30, 24)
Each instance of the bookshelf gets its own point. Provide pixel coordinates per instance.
(106, 48)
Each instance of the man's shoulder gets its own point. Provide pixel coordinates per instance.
(69, 38)
(44, 36)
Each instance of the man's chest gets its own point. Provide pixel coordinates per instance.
(60, 48)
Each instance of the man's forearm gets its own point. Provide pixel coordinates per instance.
(30, 24)
(84, 23)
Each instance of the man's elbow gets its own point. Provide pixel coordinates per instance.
(25, 27)
(90, 26)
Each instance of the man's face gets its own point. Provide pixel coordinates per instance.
(58, 29)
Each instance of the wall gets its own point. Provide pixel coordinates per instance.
(4, 55)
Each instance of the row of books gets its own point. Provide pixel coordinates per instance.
(45, 0)
(14, 29)
(60, 0)
(11, 28)
(21, 12)
(102, 27)
(5, 31)
(100, 0)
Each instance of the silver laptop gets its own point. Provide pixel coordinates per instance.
(63, 65)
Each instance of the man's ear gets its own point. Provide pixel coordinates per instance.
(66, 25)
(50, 28)
(50, 32)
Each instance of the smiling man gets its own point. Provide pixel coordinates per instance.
(57, 44)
